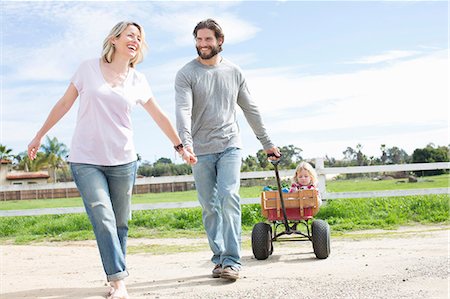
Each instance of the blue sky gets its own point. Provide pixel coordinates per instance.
(326, 75)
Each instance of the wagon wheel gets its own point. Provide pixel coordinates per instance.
(262, 241)
(321, 238)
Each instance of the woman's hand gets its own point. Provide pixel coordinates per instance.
(33, 147)
(188, 155)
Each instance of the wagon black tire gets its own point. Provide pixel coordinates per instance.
(321, 238)
(262, 241)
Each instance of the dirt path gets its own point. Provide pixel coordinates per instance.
(411, 262)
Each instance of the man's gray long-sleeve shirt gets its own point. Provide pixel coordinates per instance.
(206, 100)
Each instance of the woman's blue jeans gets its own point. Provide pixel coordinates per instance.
(217, 180)
(106, 193)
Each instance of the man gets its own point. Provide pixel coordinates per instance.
(207, 91)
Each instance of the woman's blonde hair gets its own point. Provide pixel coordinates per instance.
(308, 167)
(116, 31)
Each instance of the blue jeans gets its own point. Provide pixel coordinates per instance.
(217, 180)
(106, 193)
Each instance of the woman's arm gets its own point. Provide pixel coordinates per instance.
(58, 111)
(168, 129)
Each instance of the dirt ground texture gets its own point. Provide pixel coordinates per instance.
(411, 262)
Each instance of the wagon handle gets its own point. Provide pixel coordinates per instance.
(277, 175)
(274, 162)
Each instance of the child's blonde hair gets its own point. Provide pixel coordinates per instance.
(308, 167)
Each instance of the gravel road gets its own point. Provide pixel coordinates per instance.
(411, 262)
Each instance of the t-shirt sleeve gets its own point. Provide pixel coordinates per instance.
(183, 112)
(145, 91)
(77, 78)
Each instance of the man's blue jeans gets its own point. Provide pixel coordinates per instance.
(106, 193)
(217, 180)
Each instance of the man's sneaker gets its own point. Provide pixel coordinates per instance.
(230, 273)
(217, 271)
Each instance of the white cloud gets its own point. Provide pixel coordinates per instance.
(412, 90)
(236, 30)
(398, 89)
(80, 28)
(385, 57)
(410, 95)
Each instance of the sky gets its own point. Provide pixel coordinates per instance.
(325, 75)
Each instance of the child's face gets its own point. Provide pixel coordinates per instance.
(303, 177)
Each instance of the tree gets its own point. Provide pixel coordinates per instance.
(430, 154)
(329, 161)
(250, 164)
(383, 157)
(54, 152)
(361, 159)
(396, 155)
(163, 161)
(5, 153)
(290, 156)
(24, 163)
(163, 167)
(261, 156)
(349, 154)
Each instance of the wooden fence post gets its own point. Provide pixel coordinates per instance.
(321, 177)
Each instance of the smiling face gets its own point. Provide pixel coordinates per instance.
(207, 44)
(128, 43)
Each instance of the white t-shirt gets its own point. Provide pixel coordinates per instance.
(103, 133)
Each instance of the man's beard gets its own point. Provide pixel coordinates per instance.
(214, 52)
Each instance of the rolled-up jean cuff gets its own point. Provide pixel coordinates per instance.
(118, 276)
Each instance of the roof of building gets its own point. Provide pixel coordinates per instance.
(21, 175)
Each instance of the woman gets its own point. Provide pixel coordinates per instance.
(102, 155)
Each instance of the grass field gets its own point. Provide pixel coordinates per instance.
(441, 181)
(341, 214)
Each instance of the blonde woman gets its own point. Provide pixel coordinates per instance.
(305, 178)
(102, 154)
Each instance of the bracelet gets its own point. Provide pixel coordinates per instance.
(178, 147)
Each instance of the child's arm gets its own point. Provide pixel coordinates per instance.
(293, 188)
(319, 198)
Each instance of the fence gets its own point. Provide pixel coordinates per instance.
(186, 182)
(322, 172)
(67, 190)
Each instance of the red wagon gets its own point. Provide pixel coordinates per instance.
(295, 212)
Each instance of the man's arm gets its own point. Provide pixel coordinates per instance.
(183, 109)
(254, 119)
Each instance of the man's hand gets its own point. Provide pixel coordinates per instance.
(274, 153)
(188, 155)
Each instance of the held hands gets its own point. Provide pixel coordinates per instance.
(188, 155)
(33, 147)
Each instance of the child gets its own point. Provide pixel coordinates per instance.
(305, 178)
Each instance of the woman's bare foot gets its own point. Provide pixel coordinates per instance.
(118, 290)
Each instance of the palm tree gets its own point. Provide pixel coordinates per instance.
(55, 152)
(5, 153)
(24, 163)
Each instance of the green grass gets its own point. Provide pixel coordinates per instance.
(41, 203)
(341, 214)
(440, 181)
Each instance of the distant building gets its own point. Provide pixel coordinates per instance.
(9, 177)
